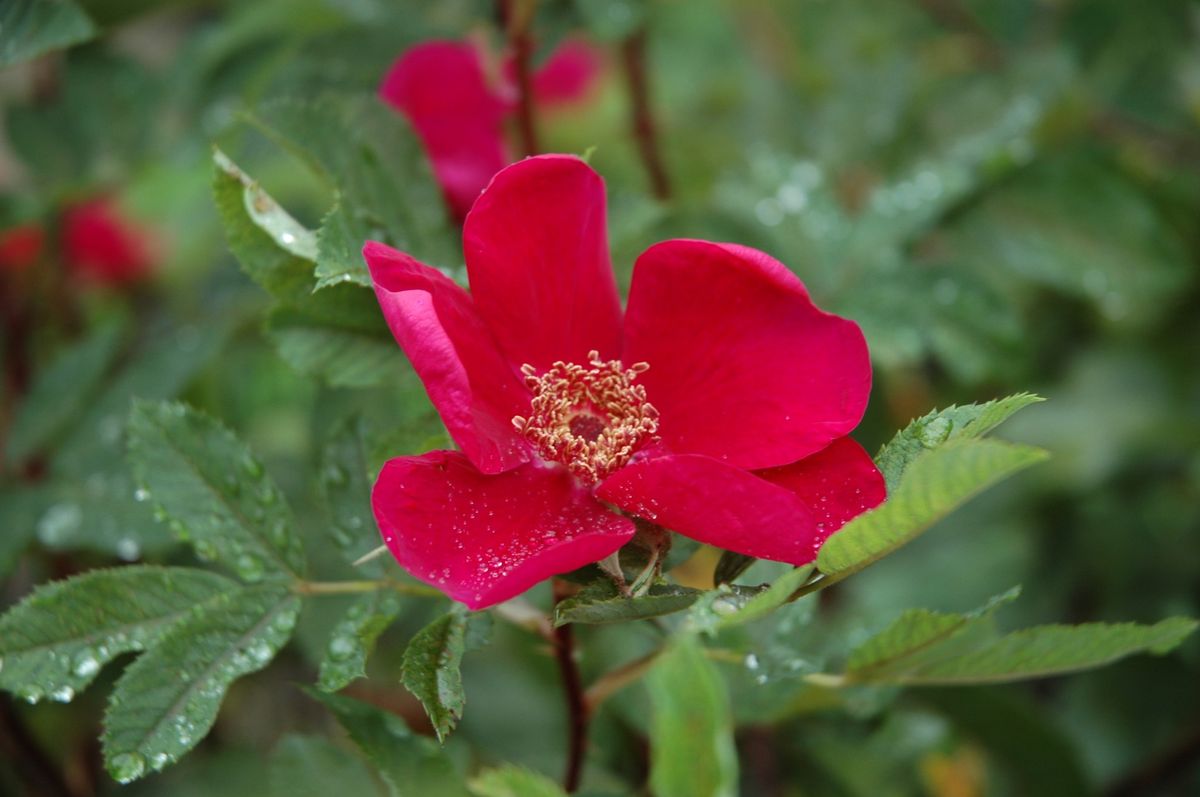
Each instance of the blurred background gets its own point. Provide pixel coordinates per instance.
(1003, 193)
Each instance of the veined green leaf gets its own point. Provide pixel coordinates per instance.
(691, 727)
(600, 602)
(932, 648)
(167, 700)
(55, 641)
(411, 766)
(344, 487)
(768, 600)
(29, 28)
(312, 766)
(217, 495)
(337, 335)
(353, 638)
(61, 391)
(432, 661)
(933, 485)
(937, 427)
(513, 781)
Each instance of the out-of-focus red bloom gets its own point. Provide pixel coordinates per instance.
(20, 247)
(101, 246)
(444, 91)
(717, 405)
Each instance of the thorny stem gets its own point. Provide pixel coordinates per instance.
(645, 132)
(517, 15)
(577, 707)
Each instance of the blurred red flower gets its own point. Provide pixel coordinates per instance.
(20, 247)
(444, 91)
(717, 405)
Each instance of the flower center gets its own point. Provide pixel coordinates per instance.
(591, 419)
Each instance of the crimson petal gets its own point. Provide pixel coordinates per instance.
(838, 483)
(718, 504)
(474, 390)
(484, 539)
(537, 256)
(743, 366)
(440, 86)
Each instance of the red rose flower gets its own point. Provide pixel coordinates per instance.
(101, 246)
(718, 407)
(442, 88)
(20, 247)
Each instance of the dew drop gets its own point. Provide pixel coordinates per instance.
(63, 694)
(141, 494)
(249, 567)
(86, 664)
(127, 767)
(205, 550)
(341, 647)
(935, 432)
(30, 693)
(128, 549)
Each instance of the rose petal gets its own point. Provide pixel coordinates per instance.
(838, 483)
(743, 366)
(473, 388)
(441, 88)
(484, 539)
(566, 76)
(102, 246)
(719, 504)
(537, 255)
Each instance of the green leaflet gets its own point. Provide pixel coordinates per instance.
(599, 602)
(934, 484)
(312, 766)
(691, 727)
(167, 700)
(353, 638)
(932, 648)
(431, 665)
(214, 492)
(55, 641)
(411, 766)
(768, 600)
(344, 487)
(336, 334)
(61, 390)
(29, 28)
(514, 781)
(931, 430)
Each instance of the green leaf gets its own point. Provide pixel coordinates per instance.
(768, 600)
(311, 766)
(514, 781)
(353, 638)
(55, 641)
(730, 566)
(932, 648)
(933, 485)
(411, 766)
(61, 391)
(337, 335)
(160, 369)
(600, 602)
(213, 490)
(166, 701)
(369, 156)
(432, 661)
(937, 427)
(344, 487)
(275, 250)
(29, 28)
(691, 725)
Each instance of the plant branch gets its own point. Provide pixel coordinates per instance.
(614, 681)
(517, 16)
(577, 708)
(645, 132)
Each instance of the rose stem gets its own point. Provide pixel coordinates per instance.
(645, 132)
(517, 15)
(577, 711)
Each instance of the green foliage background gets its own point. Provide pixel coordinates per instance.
(1003, 193)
